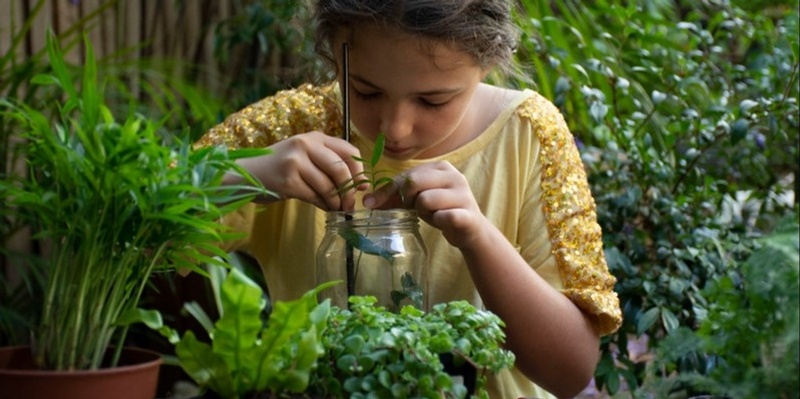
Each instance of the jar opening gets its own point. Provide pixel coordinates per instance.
(372, 218)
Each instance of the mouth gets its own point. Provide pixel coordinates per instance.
(396, 152)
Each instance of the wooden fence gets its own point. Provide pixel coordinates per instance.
(146, 28)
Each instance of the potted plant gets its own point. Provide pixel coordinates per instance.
(110, 203)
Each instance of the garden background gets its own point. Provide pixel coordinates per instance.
(685, 112)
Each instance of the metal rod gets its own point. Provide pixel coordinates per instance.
(351, 278)
(346, 89)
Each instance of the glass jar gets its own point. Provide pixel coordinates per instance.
(378, 253)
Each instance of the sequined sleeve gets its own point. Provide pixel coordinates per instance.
(277, 117)
(266, 122)
(570, 215)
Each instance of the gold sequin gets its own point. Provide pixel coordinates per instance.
(277, 117)
(570, 214)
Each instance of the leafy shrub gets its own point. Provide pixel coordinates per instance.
(313, 349)
(372, 352)
(680, 108)
(749, 338)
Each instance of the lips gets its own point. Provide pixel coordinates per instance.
(396, 151)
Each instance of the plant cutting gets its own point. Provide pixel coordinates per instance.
(110, 202)
(376, 252)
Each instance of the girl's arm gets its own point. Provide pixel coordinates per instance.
(555, 344)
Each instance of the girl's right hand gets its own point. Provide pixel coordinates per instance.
(311, 167)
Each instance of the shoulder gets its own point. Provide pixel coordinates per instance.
(547, 125)
(540, 112)
(526, 106)
(304, 98)
(283, 114)
(294, 111)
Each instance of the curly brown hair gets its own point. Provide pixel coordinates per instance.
(484, 29)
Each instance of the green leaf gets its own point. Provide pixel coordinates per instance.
(287, 339)
(377, 151)
(238, 328)
(56, 58)
(204, 366)
(92, 96)
(44, 80)
(241, 153)
(670, 321)
(365, 245)
(194, 309)
(739, 130)
(381, 182)
(647, 320)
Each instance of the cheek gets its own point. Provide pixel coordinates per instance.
(441, 122)
(365, 118)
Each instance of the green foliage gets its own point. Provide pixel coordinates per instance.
(113, 202)
(271, 41)
(749, 338)
(324, 351)
(143, 88)
(686, 114)
(372, 352)
(249, 354)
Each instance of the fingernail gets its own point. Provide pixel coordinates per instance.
(369, 201)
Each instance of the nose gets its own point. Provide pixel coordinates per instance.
(397, 121)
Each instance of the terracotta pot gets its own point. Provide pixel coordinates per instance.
(136, 377)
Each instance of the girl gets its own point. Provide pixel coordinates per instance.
(494, 173)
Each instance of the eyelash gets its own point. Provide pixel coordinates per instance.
(366, 97)
(374, 96)
(429, 105)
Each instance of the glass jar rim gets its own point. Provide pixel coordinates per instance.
(397, 217)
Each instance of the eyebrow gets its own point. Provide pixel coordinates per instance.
(422, 93)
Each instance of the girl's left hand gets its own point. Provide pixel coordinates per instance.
(441, 196)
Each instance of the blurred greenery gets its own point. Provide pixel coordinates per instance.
(686, 114)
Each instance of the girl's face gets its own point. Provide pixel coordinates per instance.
(416, 93)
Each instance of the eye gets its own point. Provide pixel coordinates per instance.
(367, 96)
(432, 104)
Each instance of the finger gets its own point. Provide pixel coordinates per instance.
(347, 153)
(388, 196)
(318, 189)
(338, 168)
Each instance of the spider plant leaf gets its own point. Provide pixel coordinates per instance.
(91, 90)
(365, 245)
(59, 67)
(249, 152)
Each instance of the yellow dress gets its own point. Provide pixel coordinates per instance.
(526, 175)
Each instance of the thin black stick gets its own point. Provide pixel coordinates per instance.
(351, 278)
(346, 89)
